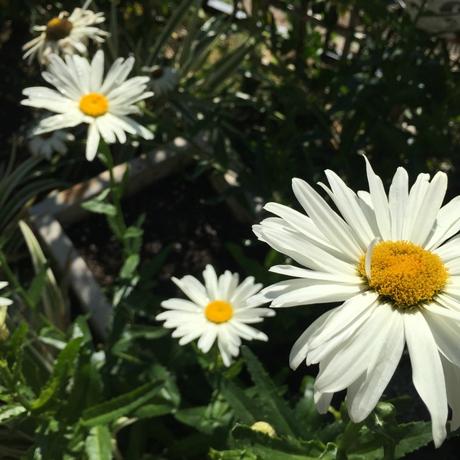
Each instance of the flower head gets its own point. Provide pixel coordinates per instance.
(83, 95)
(391, 259)
(4, 304)
(46, 144)
(66, 34)
(217, 311)
(162, 79)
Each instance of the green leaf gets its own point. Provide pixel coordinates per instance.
(277, 411)
(10, 412)
(244, 408)
(279, 448)
(63, 369)
(55, 306)
(237, 454)
(109, 411)
(37, 286)
(99, 207)
(130, 266)
(179, 13)
(98, 444)
(133, 232)
(227, 65)
(414, 436)
(206, 418)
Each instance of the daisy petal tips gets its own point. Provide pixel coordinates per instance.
(217, 311)
(391, 259)
(65, 34)
(83, 95)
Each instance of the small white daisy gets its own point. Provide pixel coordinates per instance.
(4, 304)
(392, 260)
(66, 34)
(83, 95)
(216, 311)
(46, 144)
(162, 79)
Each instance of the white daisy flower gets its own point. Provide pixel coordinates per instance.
(82, 95)
(66, 34)
(162, 79)
(216, 311)
(46, 144)
(392, 261)
(4, 304)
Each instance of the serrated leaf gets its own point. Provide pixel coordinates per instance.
(245, 409)
(414, 436)
(279, 448)
(125, 404)
(98, 444)
(278, 413)
(63, 368)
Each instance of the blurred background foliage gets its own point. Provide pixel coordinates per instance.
(266, 90)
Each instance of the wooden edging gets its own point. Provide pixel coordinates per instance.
(63, 208)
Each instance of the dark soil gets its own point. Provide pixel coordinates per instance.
(182, 213)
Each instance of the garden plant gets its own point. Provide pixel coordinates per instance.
(288, 288)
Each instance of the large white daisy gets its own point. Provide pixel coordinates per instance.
(217, 311)
(66, 34)
(83, 95)
(392, 260)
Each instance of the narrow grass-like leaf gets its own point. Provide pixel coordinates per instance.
(109, 411)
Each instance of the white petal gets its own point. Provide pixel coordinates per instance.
(322, 401)
(379, 202)
(447, 223)
(445, 330)
(347, 364)
(415, 205)
(432, 201)
(398, 198)
(193, 289)
(452, 375)
(427, 372)
(207, 339)
(381, 367)
(326, 220)
(210, 280)
(92, 142)
(347, 203)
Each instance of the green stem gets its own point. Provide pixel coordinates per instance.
(116, 192)
(348, 439)
(389, 451)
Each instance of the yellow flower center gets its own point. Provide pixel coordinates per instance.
(94, 104)
(218, 311)
(404, 273)
(58, 28)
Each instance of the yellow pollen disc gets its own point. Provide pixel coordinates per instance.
(58, 28)
(94, 104)
(404, 273)
(218, 311)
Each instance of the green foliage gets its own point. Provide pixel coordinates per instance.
(267, 95)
